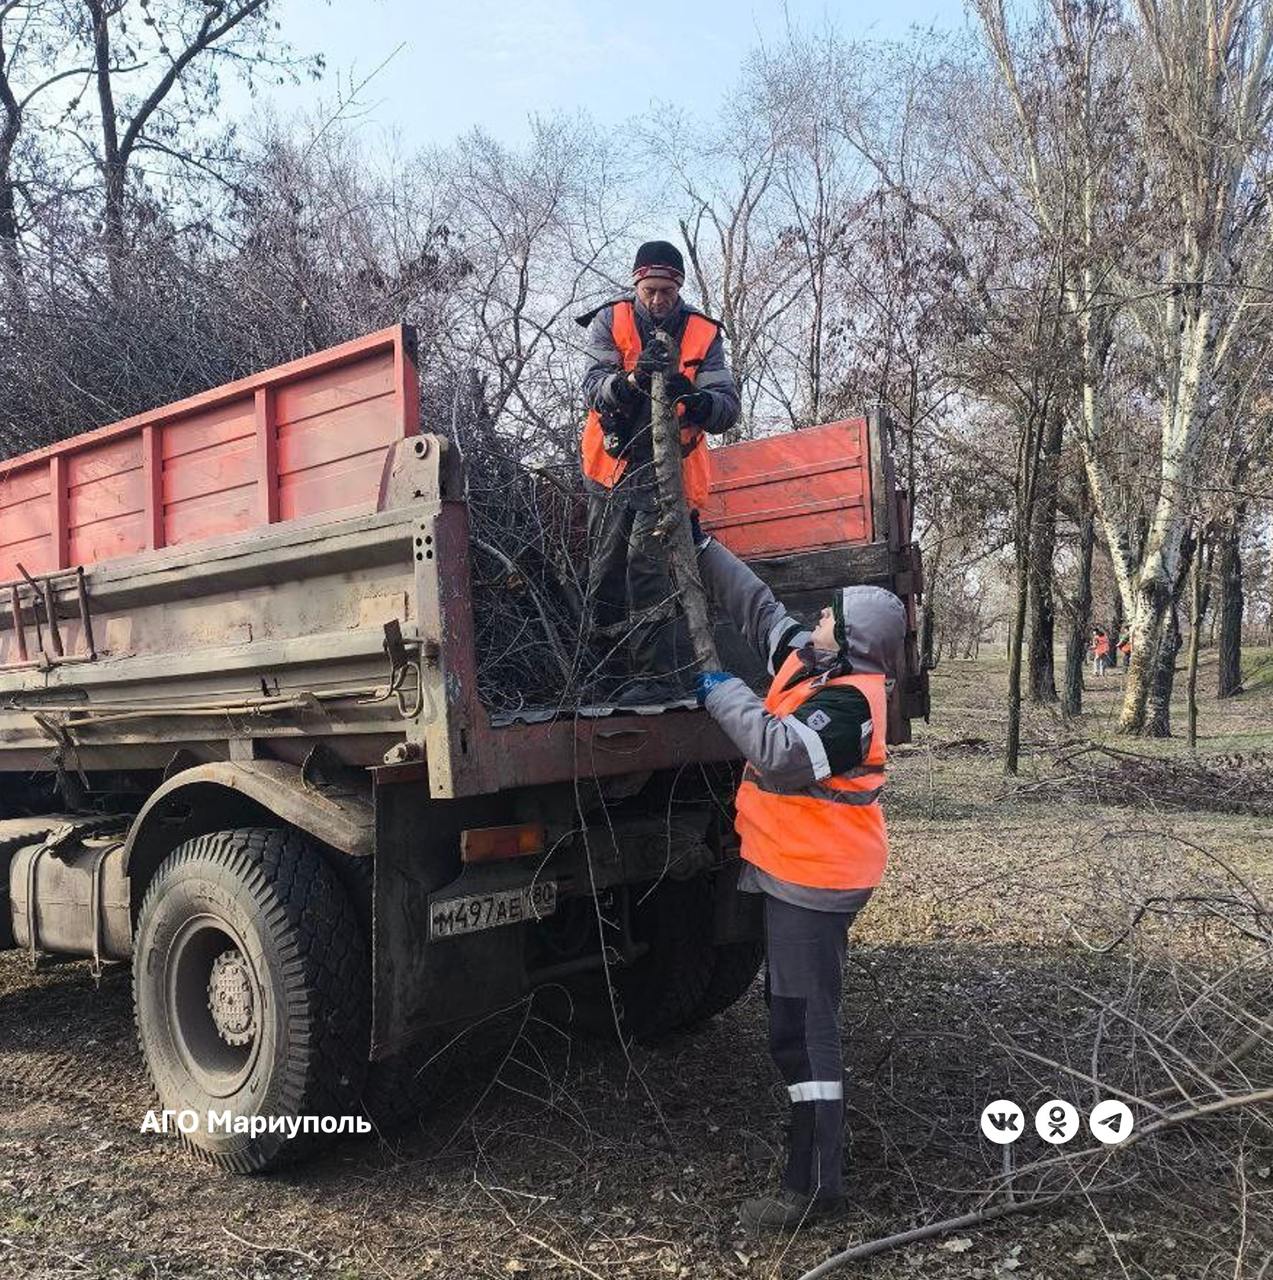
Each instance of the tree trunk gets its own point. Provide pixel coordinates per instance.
(1229, 677)
(674, 522)
(1162, 676)
(1148, 636)
(1016, 635)
(927, 631)
(10, 260)
(1163, 563)
(1195, 629)
(929, 648)
(1029, 451)
(1081, 619)
(1042, 552)
(1116, 619)
(114, 165)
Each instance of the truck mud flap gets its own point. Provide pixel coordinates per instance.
(415, 984)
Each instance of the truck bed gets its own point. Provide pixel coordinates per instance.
(283, 562)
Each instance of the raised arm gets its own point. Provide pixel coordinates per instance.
(767, 627)
(830, 733)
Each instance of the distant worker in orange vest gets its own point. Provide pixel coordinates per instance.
(813, 837)
(1100, 651)
(1125, 648)
(628, 569)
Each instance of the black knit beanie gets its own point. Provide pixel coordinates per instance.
(658, 258)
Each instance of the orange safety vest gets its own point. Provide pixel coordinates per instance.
(604, 467)
(1101, 646)
(830, 835)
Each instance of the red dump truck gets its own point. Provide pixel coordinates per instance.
(241, 747)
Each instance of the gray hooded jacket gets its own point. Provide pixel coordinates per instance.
(830, 732)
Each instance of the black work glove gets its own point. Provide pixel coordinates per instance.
(698, 407)
(698, 404)
(654, 358)
(679, 386)
(623, 393)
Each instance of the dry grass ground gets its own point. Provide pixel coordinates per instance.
(981, 950)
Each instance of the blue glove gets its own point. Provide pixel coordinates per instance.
(699, 538)
(706, 682)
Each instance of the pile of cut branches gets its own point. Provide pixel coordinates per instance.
(1232, 783)
(529, 575)
(528, 558)
(538, 645)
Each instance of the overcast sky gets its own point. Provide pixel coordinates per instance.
(494, 62)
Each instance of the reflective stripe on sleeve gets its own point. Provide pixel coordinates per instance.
(833, 795)
(816, 1091)
(812, 744)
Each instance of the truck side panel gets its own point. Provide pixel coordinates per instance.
(794, 492)
(305, 439)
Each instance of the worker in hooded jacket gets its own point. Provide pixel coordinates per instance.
(628, 572)
(812, 834)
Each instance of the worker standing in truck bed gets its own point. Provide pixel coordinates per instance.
(627, 565)
(813, 837)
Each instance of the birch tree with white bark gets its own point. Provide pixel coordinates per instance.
(1206, 101)
(1169, 234)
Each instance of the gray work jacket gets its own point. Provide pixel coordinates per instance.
(829, 733)
(605, 371)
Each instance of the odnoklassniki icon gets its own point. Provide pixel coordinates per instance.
(1056, 1121)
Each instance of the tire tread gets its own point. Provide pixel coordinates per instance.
(326, 978)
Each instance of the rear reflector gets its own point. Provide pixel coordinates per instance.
(489, 844)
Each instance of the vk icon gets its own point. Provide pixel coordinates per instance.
(1002, 1121)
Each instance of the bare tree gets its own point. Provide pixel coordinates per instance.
(543, 234)
(1201, 107)
(34, 60)
(1207, 101)
(768, 200)
(720, 193)
(162, 111)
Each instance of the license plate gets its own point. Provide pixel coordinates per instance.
(454, 916)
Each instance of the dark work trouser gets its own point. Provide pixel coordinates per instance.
(628, 572)
(803, 983)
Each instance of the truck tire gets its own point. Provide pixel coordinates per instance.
(396, 1090)
(662, 991)
(455, 1063)
(735, 969)
(251, 990)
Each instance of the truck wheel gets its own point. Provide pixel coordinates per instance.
(399, 1088)
(662, 991)
(735, 969)
(251, 985)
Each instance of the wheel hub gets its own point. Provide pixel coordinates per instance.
(230, 998)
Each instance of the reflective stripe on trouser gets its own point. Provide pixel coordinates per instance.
(805, 956)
